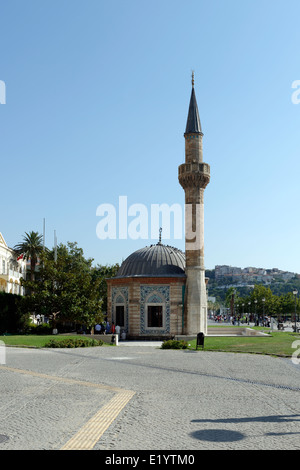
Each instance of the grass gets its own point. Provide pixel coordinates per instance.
(35, 341)
(277, 344)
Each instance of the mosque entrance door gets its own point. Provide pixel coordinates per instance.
(120, 315)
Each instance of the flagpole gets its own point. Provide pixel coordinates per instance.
(55, 246)
(44, 234)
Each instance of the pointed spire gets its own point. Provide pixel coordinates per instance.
(193, 125)
(159, 241)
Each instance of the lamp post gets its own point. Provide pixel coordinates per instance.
(295, 292)
(243, 314)
(256, 319)
(263, 301)
(249, 313)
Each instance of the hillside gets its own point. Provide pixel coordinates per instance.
(217, 287)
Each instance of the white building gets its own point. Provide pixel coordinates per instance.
(12, 269)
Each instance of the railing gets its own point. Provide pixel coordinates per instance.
(15, 274)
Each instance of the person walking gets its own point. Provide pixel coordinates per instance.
(118, 329)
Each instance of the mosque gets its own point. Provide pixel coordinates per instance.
(159, 292)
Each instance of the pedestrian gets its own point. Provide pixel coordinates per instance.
(113, 328)
(118, 329)
(97, 329)
(107, 329)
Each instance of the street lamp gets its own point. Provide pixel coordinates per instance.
(256, 319)
(295, 292)
(249, 313)
(243, 314)
(263, 301)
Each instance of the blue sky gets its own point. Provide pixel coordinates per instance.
(97, 97)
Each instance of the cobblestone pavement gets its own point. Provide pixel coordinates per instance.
(174, 400)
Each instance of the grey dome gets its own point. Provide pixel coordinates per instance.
(154, 260)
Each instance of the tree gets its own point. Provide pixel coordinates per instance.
(31, 248)
(12, 320)
(258, 294)
(102, 273)
(65, 290)
(287, 305)
(230, 299)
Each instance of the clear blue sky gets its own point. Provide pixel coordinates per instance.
(97, 97)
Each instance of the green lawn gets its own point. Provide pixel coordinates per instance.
(36, 341)
(278, 344)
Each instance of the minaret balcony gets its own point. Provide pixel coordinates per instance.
(194, 174)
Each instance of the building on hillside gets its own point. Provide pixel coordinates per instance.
(251, 274)
(12, 269)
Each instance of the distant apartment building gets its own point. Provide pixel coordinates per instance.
(12, 269)
(226, 271)
(251, 274)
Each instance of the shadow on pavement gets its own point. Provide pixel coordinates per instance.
(262, 419)
(227, 435)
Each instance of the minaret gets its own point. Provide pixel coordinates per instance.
(194, 175)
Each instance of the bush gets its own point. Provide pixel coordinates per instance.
(42, 329)
(12, 319)
(174, 344)
(73, 343)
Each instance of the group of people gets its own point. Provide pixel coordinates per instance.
(106, 328)
(246, 319)
(233, 319)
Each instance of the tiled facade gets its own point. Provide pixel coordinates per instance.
(140, 293)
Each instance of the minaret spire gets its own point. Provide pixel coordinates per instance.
(193, 124)
(159, 240)
(194, 175)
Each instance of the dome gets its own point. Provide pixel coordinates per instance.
(154, 260)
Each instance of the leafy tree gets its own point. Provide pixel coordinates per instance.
(287, 304)
(31, 248)
(242, 305)
(259, 293)
(66, 290)
(213, 306)
(102, 273)
(231, 299)
(273, 305)
(12, 320)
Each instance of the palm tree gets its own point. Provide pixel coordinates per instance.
(31, 248)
